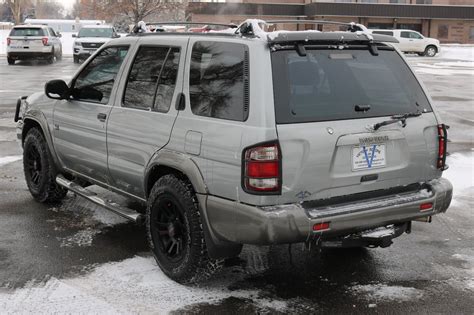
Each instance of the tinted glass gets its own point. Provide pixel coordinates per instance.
(95, 32)
(143, 77)
(218, 82)
(167, 81)
(405, 34)
(27, 32)
(328, 84)
(383, 33)
(96, 80)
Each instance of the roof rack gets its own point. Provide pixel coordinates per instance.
(141, 26)
(253, 27)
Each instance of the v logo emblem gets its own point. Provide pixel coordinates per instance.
(372, 155)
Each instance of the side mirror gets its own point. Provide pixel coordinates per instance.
(59, 35)
(57, 87)
(116, 35)
(74, 35)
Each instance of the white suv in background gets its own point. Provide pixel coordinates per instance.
(90, 38)
(413, 42)
(33, 42)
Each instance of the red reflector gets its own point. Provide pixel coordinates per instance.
(426, 206)
(9, 41)
(45, 41)
(262, 169)
(321, 226)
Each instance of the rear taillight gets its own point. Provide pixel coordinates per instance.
(442, 146)
(261, 173)
(9, 41)
(44, 40)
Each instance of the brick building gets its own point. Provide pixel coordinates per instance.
(451, 21)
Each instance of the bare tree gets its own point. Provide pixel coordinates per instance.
(139, 10)
(16, 7)
(48, 10)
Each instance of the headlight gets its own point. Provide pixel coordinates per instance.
(77, 44)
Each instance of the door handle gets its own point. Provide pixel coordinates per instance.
(101, 116)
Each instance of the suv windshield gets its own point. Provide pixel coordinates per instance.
(95, 32)
(329, 84)
(30, 31)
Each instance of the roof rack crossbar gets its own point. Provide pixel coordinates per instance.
(229, 25)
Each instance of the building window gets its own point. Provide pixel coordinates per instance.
(443, 31)
(471, 33)
(381, 25)
(398, 1)
(424, 1)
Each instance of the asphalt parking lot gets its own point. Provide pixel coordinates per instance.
(77, 258)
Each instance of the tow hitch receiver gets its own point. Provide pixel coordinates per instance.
(378, 237)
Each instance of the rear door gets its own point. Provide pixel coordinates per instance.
(140, 124)
(326, 104)
(406, 41)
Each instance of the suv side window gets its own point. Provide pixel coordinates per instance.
(152, 78)
(52, 32)
(219, 80)
(405, 34)
(95, 82)
(383, 33)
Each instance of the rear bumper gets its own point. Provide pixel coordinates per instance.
(17, 55)
(291, 223)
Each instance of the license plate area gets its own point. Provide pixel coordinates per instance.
(368, 156)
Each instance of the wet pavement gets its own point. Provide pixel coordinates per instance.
(76, 257)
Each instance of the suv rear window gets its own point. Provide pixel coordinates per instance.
(30, 31)
(328, 84)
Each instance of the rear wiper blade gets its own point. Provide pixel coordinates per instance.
(397, 118)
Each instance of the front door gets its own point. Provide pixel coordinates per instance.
(80, 123)
(140, 123)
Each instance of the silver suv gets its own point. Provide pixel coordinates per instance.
(33, 42)
(243, 137)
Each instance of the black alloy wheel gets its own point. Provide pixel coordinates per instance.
(170, 230)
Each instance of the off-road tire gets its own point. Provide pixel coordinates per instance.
(11, 61)
(75, 59)
(42, 185)
(50, 59)
(60, 55)
(430, 51)
(195, 265)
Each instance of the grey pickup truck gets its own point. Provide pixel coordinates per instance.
(243, 136)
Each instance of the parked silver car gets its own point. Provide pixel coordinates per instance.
(243, 137)
(33, 42)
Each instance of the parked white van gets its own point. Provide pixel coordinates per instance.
(413, 42)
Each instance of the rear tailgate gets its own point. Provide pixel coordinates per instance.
(25, 39)
(326, 104)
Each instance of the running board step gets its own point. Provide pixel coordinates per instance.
(93, 197)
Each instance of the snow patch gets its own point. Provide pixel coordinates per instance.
(460, 172)
(385, 292)
(135, 285)
(10, 159)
